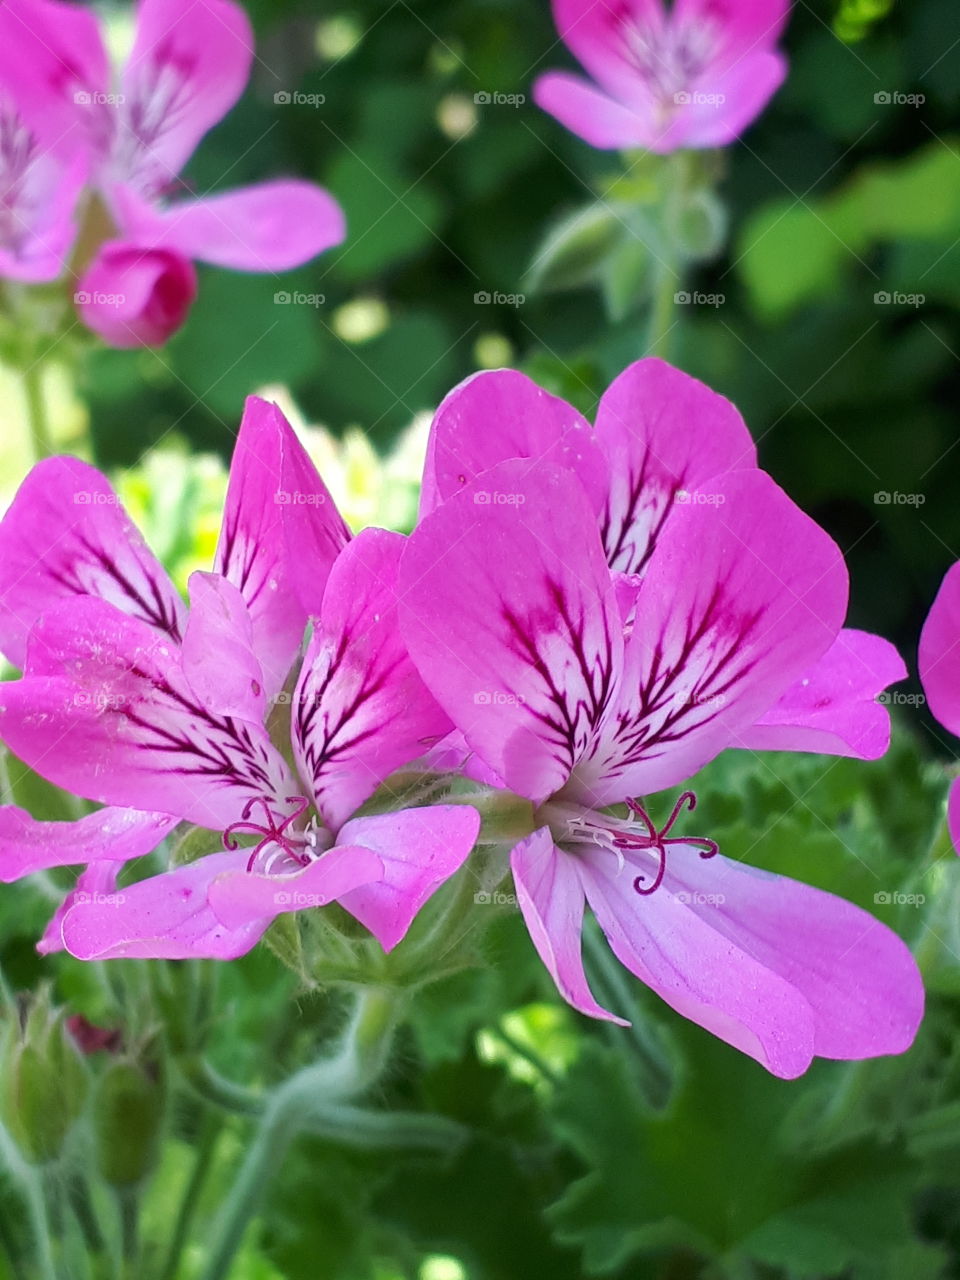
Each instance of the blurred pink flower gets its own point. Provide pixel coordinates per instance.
(136, 297)
(939, 661)
(689, 76)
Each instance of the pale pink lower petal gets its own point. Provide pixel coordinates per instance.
(106, 713)
(856, 975)
(420, 850)
(939, 655)
(743, 594)
(664, 434)
(551, 898)
(240, 898)
(274, 226)
(500, 414)
(96, 884)
(725, 101)
(697, 970)
(281, 534)
(832, 708)
(67, 535)
(594, 116)
(115, 835)
(360, 708)
(166, 917)
(37, 218)
(511, 618)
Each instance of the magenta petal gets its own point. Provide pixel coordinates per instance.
(281, 535)
(599, 36)
(939, 655)
(164, 918)
(274, 226)
(743, 595)
(136, 297)
(551, 898)
(186, 70)
(740, 28)
(858, 978)
(96, 884)
(65, 535)
(420, 850)
(832, 707)
(664, 434)
(511, 618)
(502, 414)
(239, 898)
(116, 835)
(699, 971)
(39, 224)
(218, 657)
(360, 708)
(105, 712)
(725, 101)
(593, 115)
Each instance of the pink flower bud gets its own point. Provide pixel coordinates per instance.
(136, 297)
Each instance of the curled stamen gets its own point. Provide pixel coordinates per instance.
(659, 840)
(271, 833)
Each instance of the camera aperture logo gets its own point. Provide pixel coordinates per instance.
(486, 498)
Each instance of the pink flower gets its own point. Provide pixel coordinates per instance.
(136, 297)
(689, 76)
(581, 690)
(939, 660)
(659, 436)
(158, 713)
(63, 124)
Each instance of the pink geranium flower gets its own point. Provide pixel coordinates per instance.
(582, 690)
(64, 124)
(691, 75)
(158, 713)
(939, 661)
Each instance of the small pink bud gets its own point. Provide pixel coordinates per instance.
(136, 297)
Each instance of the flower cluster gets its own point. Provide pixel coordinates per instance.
(88, 164)
(584, 616)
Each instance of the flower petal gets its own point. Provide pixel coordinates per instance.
(551, 898)
(66, 535)
(239, 898)
(832, 708)
(743, 594)
(273, 226)
(166, 917)
(663, 434)
(187, 68)
(106, 712)
(111, 835)
(724, 102)
(360, 708)
(136, 297)
(95, 883)
(501, 414)
(858, 978)
(218, 658)
(281, 535)
(600, 36)
(420, 850)
(697, 970)
(739, 28)
(939, 654)
(511, 618)
(37, 220)
(593, 115)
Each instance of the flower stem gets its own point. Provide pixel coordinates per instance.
(37, 417)
(358, 1061)
(206, 1149)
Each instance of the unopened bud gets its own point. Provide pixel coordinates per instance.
(128, 1112)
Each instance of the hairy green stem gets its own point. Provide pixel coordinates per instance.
(37, 417)
(206, 1149)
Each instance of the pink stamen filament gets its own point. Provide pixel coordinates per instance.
(659, 840)
(272, 833)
